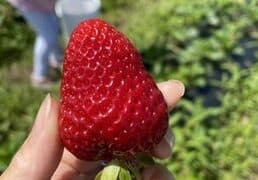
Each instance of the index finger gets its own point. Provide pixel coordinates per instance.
(172, 91)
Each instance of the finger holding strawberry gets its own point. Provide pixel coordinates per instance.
(42, 157)
(111, 113)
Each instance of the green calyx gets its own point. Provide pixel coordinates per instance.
(114, 172)
(125, 170)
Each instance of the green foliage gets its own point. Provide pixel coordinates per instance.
(201, 35)
(210, 45)
(15, 35)
(237, 138)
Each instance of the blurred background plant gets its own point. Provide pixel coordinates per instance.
(210, 45)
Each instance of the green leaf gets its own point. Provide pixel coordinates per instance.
(124, 174)
(110, 172)
(98, 176)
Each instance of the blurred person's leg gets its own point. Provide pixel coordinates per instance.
(46, 28)
(55, 58)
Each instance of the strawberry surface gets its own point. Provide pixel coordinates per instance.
(110, 107)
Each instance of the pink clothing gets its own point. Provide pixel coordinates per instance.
(34, 5)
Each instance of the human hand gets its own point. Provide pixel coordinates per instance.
(42, 155)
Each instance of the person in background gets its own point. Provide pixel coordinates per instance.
(40, 15)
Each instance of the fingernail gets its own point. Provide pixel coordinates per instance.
(47, 100)
(43, 114)
(180, 86)
(162, 150)
(169, 139)
(161, 175)
(156, 172)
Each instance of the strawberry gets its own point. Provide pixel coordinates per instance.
(110, 107)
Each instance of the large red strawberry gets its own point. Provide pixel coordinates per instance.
(110, 106)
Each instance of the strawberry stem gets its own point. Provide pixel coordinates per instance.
(133, 166)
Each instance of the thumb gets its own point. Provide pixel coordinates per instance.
(41, 152)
